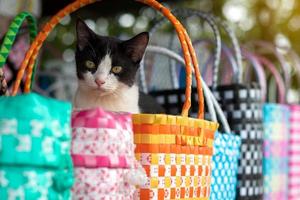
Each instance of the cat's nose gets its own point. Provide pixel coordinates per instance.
(99, 82)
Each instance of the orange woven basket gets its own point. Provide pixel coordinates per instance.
(175, 151)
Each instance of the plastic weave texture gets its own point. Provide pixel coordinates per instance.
(107, 136)
(225, 166)
(35, 140)
(176, 153)
(276, 148)
(294, 153)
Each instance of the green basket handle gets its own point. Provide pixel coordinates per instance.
(9, 40)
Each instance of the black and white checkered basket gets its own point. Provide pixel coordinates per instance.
(242, 105)
(243, 109)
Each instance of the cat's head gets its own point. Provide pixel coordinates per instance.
(106, 64)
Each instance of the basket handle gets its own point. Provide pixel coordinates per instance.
(210, 19)
(189, 52)
(271, 48)
(226, 50)
(258, 68)
(217, 53)
(231, 61)
(213, 106)
(279, 81)
(237, 77)
(176, 57)
(11, 35)
(236, 47)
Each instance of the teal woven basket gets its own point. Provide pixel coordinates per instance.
(225, 166)
(35, 137)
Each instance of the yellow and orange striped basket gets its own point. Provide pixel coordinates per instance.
(175, 151)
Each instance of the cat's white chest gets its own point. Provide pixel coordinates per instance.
(124, 99)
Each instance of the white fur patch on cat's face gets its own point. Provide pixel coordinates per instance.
(109, 80)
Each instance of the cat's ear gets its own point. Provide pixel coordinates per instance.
(84, 34)
(136, 46)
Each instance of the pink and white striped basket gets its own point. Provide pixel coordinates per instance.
(103, 155)
(294, 153)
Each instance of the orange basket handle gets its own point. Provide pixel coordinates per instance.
(189, 52)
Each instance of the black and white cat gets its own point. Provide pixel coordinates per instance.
(106, 71)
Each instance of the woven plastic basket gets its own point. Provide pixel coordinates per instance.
(294, 140)
(176, 151)
(35, 159)
(294, 156)
(103, 155)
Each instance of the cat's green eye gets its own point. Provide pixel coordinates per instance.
(90, 64)
(117, 69)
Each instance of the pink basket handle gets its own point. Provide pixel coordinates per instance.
(279, 81)
(271, 48)
(261, 76)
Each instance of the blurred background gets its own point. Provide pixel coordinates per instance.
(276, 21)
